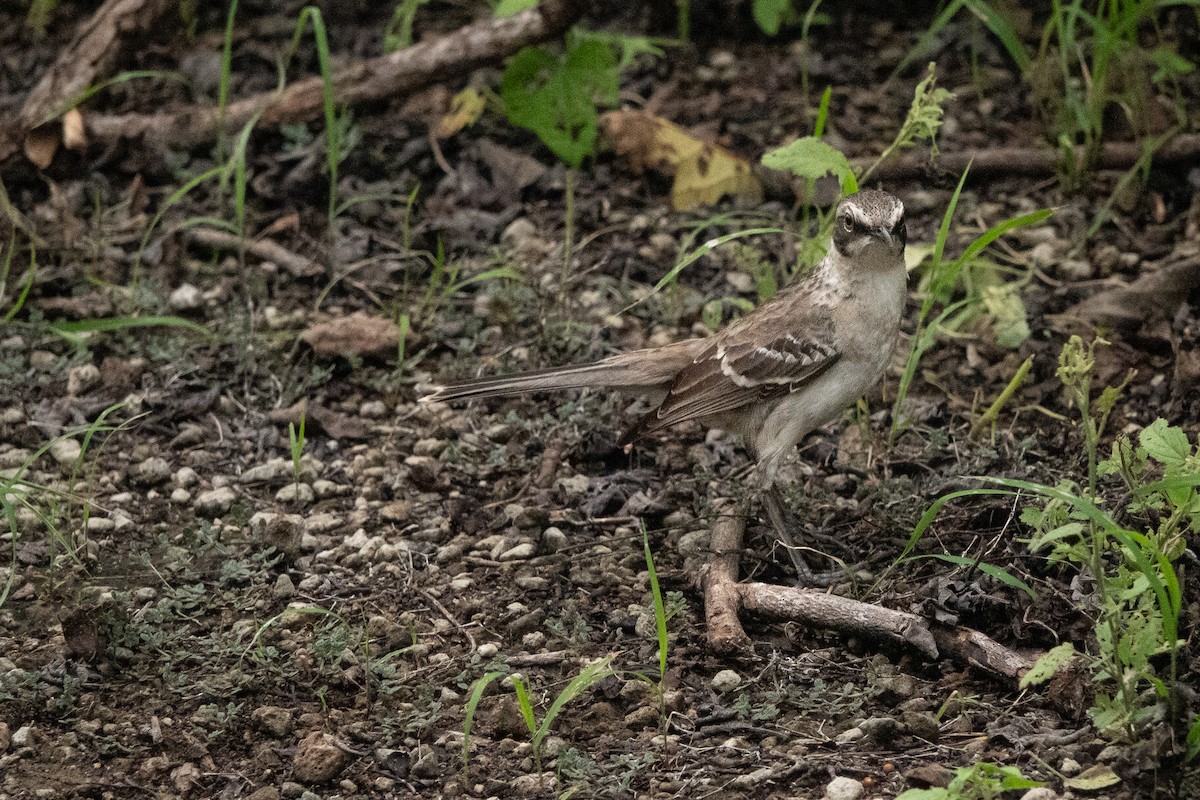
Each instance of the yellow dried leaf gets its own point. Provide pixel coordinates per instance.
(74, 136)
(704, 172)
(465, 109)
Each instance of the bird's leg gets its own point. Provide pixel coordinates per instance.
(783, 522)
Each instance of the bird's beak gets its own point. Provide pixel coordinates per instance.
(885, 235)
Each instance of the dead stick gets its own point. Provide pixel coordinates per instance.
(722, 600)
(382, 78)
(843, 614)
(91, 53)
(265, 249)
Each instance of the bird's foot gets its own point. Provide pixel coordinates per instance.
(783, 523)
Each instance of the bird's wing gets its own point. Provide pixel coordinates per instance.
(745, 367)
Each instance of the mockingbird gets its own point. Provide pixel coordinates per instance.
(793, 364)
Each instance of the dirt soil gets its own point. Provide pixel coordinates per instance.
(192, 614)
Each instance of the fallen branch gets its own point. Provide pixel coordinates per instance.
(997, 162)
(724, 597)
(264, 249)
(93, 51)
(382, 78)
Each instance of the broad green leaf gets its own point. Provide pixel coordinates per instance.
(1048, 664)
(809, 157)
(1165, 443)
(770, 15)
(556, 97)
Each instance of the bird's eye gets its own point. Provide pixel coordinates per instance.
(847, 224)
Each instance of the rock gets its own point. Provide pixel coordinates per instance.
(153, 471)
(272, 471)
(883, 730)
(185, 298)
(186, 477)
(318, 759)
(66, 451)
(5, 737)
(284, 588)
(82, 378)
(726, 681)
(843, 789)
(24, 736)
(373, 409)
(427, 765)
(264, 793)
(181, 496)
(520, 552)
(296, 493)
(849, 735)
(1040, 793)
(553, 540)
(215, 502)
(919, 724)
(273, 720)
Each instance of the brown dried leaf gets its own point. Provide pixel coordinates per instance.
(357, 334)
(41, 144)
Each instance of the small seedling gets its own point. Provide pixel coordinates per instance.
(981, 781)
(296, 446)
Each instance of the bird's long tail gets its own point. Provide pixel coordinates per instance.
(639, 372)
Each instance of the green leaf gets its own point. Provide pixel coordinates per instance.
(811, 158)
(770, 15)
(556, 97)
(1165, 443)
(506, 8)
(1048, 664)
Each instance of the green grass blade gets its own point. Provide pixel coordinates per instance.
(660, 609)
(477, 690)
(589, 676)
(525, 705)
(71, 330)
(999, 573)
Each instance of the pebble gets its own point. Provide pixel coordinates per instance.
(274, 720)
(1070, 767)
(488, 649)
(180, 496)
(284, 588)
(274, 470)
(186, 298)
(521, 552)
(325, 488)
(65, 451)
(553, 540)
(42, 360)
(1043, 254)
(849, 735)
(841, 788)
(373, 409)
(1040, 793)
(429, 447)
(24, 736)
(215, 501)
(1074, 269)
(726, 681)
(296, 493)
(82, 378)
(100, 525)
(5, 737)
(152, 471)
(880, 729)
(186, 477)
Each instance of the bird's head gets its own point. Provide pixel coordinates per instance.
(869, 227)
